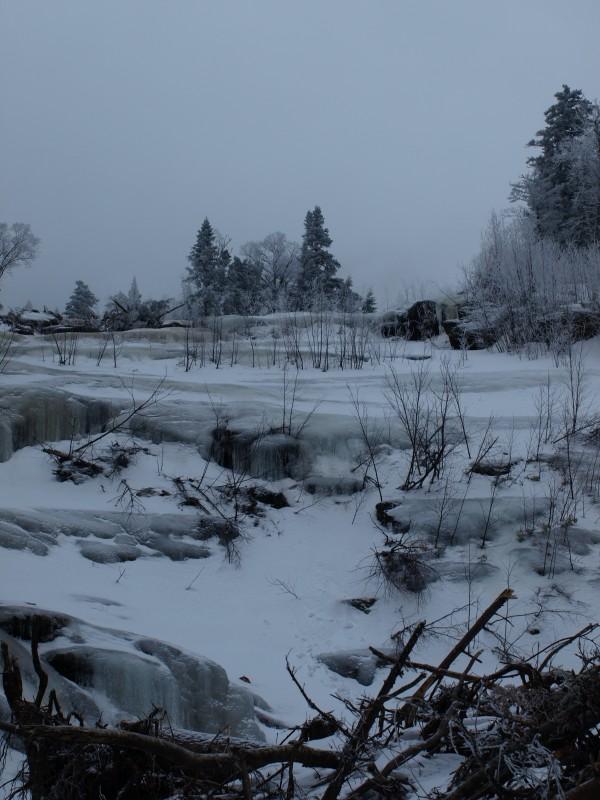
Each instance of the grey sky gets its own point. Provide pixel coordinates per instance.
(125, 122)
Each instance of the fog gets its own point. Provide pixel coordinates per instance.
(124, 124)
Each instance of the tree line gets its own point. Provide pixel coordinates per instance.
(268, 276)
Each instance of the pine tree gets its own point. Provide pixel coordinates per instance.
(203, 269)
(565, 120)
(207, 274)
(318, 267)
(551, 189)
(244, 288)
(81, 303)
(369, 305)
(134, 297)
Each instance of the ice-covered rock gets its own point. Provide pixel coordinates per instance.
(105, 538)
(33, 416)
(270, 456)
(100, 670)
(458, 521)
(360, 665)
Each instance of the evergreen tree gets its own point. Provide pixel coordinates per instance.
(343, 297)
(244, 289)
(565, 120)
(205, 273)
(552, 188)
(81, 303)
(369, 305)
(134, 297)
(318, 267)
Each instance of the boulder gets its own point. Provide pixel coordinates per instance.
(466, 335)
(417, 323)
(118, 674)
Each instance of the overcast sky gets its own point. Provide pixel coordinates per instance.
(125, 122)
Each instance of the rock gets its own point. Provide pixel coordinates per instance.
(271, 456)
(422, 321)
(267, 497)
(31, 416)
(492, 469)
(360, 665)
(574, 324)
(123, 537)
(115, 673)
(390, 520)
(465, 335)
(393, 324)
(417, 323)
(102, 553)
(333, 485)
(364, 604)
(407, 568)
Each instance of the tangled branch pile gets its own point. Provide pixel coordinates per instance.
(529, 730)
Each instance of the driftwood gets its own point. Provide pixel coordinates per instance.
(537, 737)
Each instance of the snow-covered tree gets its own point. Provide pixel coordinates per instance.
(209, 260)
(561, 190)
(81, 304)
(369, 305)
(18, 246)
(277, 260)
(134, 297)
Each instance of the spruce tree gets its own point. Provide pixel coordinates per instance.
(318, 267)
(551, 189)
(134, 297)
(205, 273)
(369, 305)
(81, 303)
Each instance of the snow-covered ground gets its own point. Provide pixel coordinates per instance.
(283, 593)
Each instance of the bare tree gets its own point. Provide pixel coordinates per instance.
(18, 246)
(278, 260)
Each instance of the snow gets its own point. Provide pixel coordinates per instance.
(296, 565)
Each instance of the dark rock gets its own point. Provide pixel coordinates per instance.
(333, 485)
(18, 623)
(416, 324)
(394, 324)
(493, 469)
(364, 604)
(267, 497)
(422, 321)
(574, 324)
(407, 568)
(390, 520)
(270, 456)
(466, 335)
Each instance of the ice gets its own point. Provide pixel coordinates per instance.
(107, 539)
(124, 676)
(37, 416)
